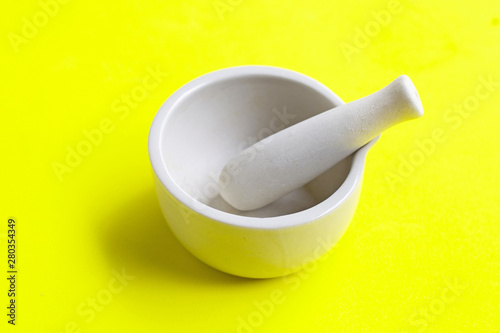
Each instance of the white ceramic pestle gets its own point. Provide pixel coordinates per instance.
(289, 159)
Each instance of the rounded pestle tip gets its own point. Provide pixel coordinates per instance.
(412, 98)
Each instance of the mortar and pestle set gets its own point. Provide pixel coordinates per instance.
(269, 209)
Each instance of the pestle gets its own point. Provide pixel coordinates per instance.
(289, 159)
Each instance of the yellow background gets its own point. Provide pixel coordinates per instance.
(422, 252)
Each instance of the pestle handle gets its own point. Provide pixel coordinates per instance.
(289, 159)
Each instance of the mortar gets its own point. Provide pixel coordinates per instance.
(209, 120)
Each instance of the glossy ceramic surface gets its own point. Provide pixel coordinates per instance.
(208, 121)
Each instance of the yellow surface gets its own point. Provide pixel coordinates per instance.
(421, 254)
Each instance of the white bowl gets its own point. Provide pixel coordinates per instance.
(210, 119)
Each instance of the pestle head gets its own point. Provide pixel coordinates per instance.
(407, 97)
(291, 158)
